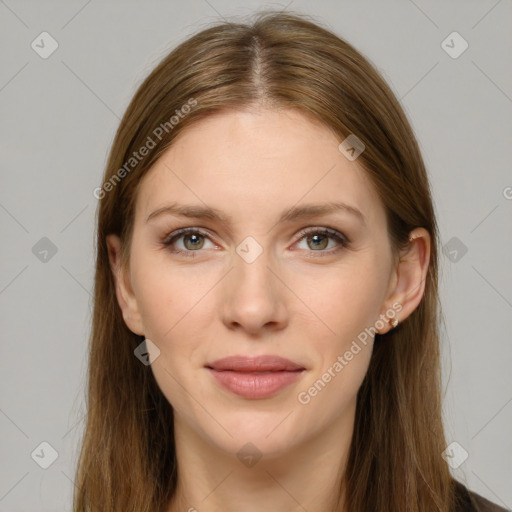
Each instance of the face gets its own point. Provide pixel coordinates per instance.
(253, 283)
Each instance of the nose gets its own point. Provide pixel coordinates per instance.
(253, 297)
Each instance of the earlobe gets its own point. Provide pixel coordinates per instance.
(410, 276)
(124, 291)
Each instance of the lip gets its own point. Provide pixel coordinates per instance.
(255, 377)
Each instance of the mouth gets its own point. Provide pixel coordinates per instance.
(255, 377)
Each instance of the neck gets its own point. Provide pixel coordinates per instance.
(310, 476)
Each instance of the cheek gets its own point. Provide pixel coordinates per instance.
(332, 392)
(345, 304)
(343, 300)
(176, 313)
(167, 295)
(345, 307)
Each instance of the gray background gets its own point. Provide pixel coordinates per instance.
(58, 119)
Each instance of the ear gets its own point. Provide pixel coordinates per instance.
(124, 291)
(407, 284)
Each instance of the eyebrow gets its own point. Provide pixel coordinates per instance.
(293, 213)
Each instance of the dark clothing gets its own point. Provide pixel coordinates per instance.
(469, 501)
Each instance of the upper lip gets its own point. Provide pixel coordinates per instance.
(263, 363)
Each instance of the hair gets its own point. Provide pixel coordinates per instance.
(127, 459)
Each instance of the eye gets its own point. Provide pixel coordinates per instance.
(317, 239)
(193, 240)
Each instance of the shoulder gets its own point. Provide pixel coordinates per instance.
(469, 501)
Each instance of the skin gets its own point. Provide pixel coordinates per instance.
(253, 165)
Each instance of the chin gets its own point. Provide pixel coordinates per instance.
(270, 432)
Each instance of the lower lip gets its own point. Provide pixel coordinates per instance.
(255, 385)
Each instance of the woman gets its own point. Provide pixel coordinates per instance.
(265, 331)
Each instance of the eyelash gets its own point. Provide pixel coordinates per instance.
(326, 231)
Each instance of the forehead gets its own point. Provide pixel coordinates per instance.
(256, 163)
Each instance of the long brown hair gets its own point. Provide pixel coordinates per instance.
(127, 460)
